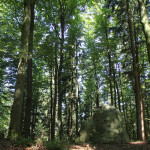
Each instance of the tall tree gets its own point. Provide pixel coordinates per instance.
(138, 90)
(14, 129)
(27, 121)
(145, 23)
(60, 95)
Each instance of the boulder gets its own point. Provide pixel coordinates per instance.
(105, 126)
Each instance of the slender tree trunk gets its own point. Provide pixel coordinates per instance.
(34, 115)
(55, 96)
(72, 103)
(110, 64)
(145, 24)
(138, 91)
(125, 113)
(110, 78)
(60, 94)
(96, 86)
(77, 93)
(118, 94)
(115, 101)
(116, 89)
(27, 121)
(71, 94)
(14, 129)
(50, 114)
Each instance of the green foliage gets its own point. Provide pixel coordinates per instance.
(55, 145)
(86, 24)
(24, 142)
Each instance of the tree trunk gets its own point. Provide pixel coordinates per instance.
(27, 121)
(77, 93)
(34, 115)
(60, 95)
(110, 76)
(145, 24)
(118, 94)
(14, 129)
(110, 64)
(117, 90)
(115, 101)
(138, 90)
(50, 115)
(56, 89)
(96, 86)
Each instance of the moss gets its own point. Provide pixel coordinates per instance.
(105, 126)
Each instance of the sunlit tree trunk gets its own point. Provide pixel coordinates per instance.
(14, 129)
(56, 90)
(118, 94)
(60, 94)
(72, 102)
(27, 121)
(77, 92)
(146, 25)
(55, 102)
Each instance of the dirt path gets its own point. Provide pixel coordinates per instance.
(6, 145)
(130, 146)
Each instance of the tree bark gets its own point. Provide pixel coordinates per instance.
(96, 86)
(50, 115)
(14, 129)
(60, 95)
(114, 78)
(110, 77)
(77, 93)
(145, 24)
(138, 90)
(110, 64)
(56, 90)
(27, 121)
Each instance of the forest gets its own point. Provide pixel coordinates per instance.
(62, 60)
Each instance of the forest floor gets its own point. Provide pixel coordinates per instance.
(7, 145)
(129, 146)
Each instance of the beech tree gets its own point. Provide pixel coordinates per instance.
(14, 129)
(145, 23)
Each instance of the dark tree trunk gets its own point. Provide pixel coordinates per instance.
(14, 129)
(110, 64)
(60, 94)
(50, 115)
(27, 121)
(34, 115)
(116, 89)
(115, 101)
(110, 72)
(138, 90)
(118, 94)
(96, 86)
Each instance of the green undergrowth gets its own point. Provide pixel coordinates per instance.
(24, 142)
(56, 145)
